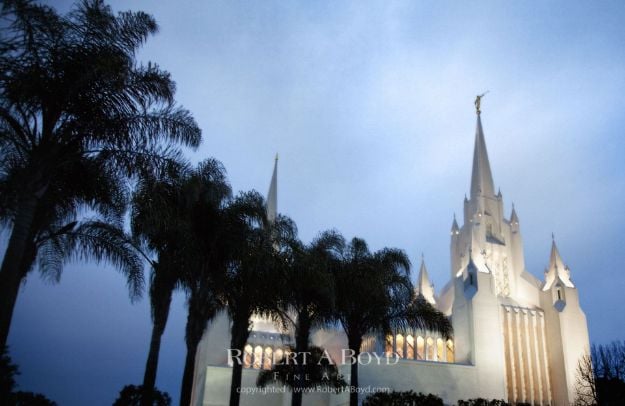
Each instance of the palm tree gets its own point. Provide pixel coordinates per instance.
(309, 297)
(206, 258)
(71, 97)
(383, 278)
(255, 272)
(158, 223)
(176, 218)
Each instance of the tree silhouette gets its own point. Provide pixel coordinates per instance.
(309, 297)
(8, 395)
(383, 278)
(256, 270)
(74, 104)
(601, 375)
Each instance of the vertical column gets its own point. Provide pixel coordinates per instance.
(519, 350)
(405, 346)
(394, 343)
(528, 351)
(539, 379)
(545, 359)
(511, 375)
(512, 352)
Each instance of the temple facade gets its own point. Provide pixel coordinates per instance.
(515, 338)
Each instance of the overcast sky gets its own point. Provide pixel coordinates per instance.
(370, 107)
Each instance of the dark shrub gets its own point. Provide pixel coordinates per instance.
(409, 398)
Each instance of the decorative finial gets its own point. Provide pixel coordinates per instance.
(553, 237)
(276, 156)
(422, 257)
(478, 100)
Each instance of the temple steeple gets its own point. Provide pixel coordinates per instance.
(455, 230)
(481, 176)
(557, 271)
(272, 195)
(424, 286)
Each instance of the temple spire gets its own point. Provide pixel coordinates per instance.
(272, 195)
(455, 230)
(514, 219)
(481, 176)
(557, 270)
(424, 286)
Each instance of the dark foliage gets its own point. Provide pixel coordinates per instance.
(409, 398)
(601, 376)
(383, 278)
(484, 402)
(8, 396)
(79, 118)
(132, 395)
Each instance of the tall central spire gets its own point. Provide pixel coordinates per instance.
(481, 177)
(272, 195)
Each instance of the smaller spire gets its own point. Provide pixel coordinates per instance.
(455, 230)
(557, 270)
(514, 219)
(424, 286)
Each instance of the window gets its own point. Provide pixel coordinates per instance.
(247, 356)
(277, 356)
(430, 354)
(409, 347)
(258, 356)
(420, 348)
(399, 345)
(388, 346)
(267, 361)
(440, 350)
(450, 351)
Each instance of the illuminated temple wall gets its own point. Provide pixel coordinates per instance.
(515, 337)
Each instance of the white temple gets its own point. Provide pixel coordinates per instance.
(515, 337)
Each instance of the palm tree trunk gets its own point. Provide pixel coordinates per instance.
(235, 384)
(297, 397)
(11, 271)
(151, 366)
(240, 334)
(302, 336)
(187, 377)
(354, 344)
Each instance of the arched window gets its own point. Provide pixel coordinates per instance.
(388, 346)
(450, 351)
(420, 348)
(268, 358)
(440, 350)
(409, 347)
(258, 356)
(399, 345)
(277, 355)
(247, 356)
(429, 349)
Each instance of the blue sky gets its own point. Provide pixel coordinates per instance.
(370, 106)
